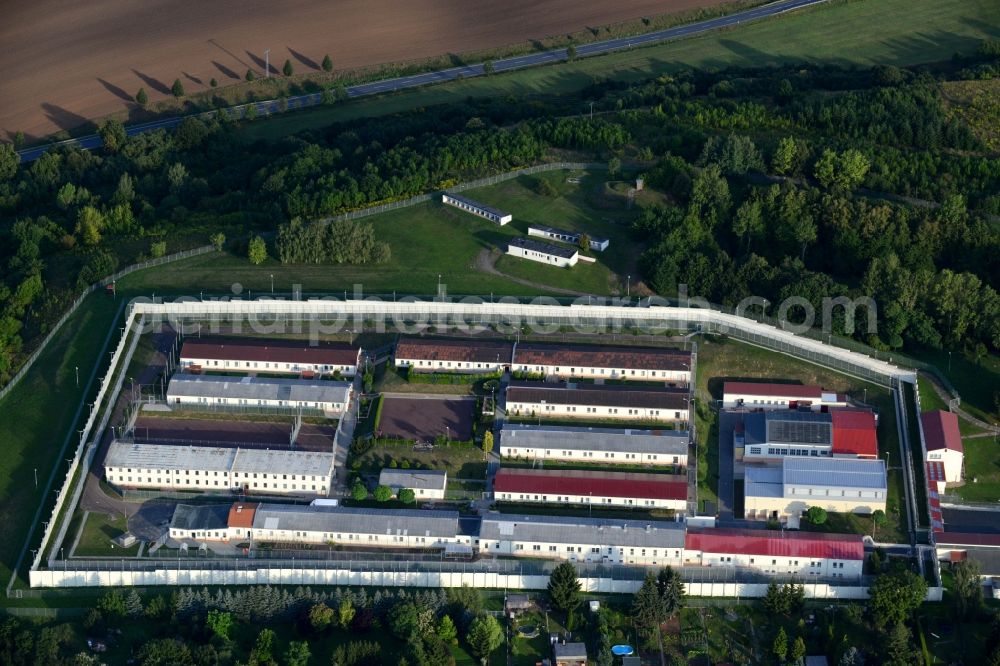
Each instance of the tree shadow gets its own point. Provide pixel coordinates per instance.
(64, 118)
(192, 78)
(257, 60)
(155, 84)
(227, 52)
(304, 59)
(225, 70)
(115, 90)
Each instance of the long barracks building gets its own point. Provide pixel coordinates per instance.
(269, 356)
(590, 402)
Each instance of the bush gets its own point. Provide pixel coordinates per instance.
(327, 63)
(406, 496)
(158, 249)
(177, 89)
(141, 97)
(287, 69)
(358, 491)
(383, 493)
(250, 76)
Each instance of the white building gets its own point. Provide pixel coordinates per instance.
(425, 483)
(671, 366)
(465, 355)
(573, 238)
(269, 356)
(597, 402)
(601, 445)
(782, 552)
(543, 253)
(218, 470)
(213, 391)
(203, 522)
(482, 210)
(774, 434)
(607, 489)
(597, 540)
(943, 443)
(754, 395)
(789, 488)
(363, 528)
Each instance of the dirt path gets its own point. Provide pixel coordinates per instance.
(486, 263)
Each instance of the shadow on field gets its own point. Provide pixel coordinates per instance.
(155, 84)
(66, 119)
(115, 90)
(257, 60)
(192, 78)
(225, 70)
(304, 59)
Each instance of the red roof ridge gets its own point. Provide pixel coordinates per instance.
(941, 431)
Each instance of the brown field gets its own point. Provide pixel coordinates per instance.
(423, 419)
(64, 62)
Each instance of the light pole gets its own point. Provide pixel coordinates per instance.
(78, 376)
(949, 360)
(628, 285)
(267, 63)
(272, 284)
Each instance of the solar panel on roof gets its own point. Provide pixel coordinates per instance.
(798, 432)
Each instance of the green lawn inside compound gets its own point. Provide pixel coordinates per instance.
(96, 537)
(982, 470)
(858, 32)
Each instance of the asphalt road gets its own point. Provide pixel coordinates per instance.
(406, 82)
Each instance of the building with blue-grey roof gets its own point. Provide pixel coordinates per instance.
(613, 446)
(482, 210)
(789, 488)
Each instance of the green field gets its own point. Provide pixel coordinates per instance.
(97, 535)
(862, 32)
(982, 463)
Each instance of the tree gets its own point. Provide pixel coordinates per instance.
(157, 249)
(165, 652)
(262, 653)
(321, 617)
(564, 590)
(671, 591)
(297, 654)
(785, 161)
(218, 240)
(406, 496)
(816, 515)
(133, 604)
(968, 588)
(571, 53)
(250, 76)
(780, 646)
(9, 159)
(177, 89)
(383, 493)
(614, 166)
(488, 442)
(895, 595)
(748, 223)
(257, 251)
(345, 614)
(841, 172)
(112, 604)
(368, 380)
(488, 68)
(287, 69)
(484, 636)
(898, 647)
(798, 650)
(583, 242)
(358, 491)
(851, 657)
(327, 63)
(446, 630)
(407, 618)
(113, 135)
(141, 97)
(212, 83)
(878, 520)
(775, 602)
(220, 623)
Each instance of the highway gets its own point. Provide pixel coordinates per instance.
(469, 71)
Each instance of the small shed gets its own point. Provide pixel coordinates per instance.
(518, 603)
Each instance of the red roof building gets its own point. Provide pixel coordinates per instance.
(854, 433)
(582, 487)
(268, 355)
(941, 431)
(773, 543)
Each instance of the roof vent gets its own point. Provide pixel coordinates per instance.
(649, 528)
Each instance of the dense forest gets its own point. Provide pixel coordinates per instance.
(800, 180)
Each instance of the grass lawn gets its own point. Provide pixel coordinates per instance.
(896, 32)
(36, 416)
(98, 531)
(393, 382)
(461, 462)
(976, 383)
(982, 463)
(530, 651)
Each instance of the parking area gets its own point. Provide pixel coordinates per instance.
(425, 418)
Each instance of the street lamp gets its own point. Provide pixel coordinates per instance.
(272, 284)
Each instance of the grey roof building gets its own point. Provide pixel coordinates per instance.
(428, 480)
(593, 394)
(805, 478)
(356, 520)
(572, 530)
(620, 440)
(266, 461)
(253, 390)
(127, 455)
(201, 517)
